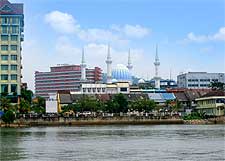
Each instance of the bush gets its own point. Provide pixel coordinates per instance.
(8, 117)
(194, 116)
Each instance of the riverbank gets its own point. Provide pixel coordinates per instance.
(109, 121)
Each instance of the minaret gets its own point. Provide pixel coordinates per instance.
(157, 64)
(109, 66)
(83, 67)
(129, 64)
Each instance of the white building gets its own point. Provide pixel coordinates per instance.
(52, 103)
(199, 79)
(113, 88)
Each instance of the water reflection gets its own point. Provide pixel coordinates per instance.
(126, 143)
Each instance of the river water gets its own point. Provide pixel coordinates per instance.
(123, 143)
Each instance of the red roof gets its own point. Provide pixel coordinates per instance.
(7, 8)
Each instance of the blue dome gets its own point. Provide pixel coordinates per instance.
(121, 73)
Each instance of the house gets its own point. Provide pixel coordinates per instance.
(212, 104)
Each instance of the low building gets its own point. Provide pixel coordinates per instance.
(113, 88)
(52, 104)
(196, 80)
(212, 104)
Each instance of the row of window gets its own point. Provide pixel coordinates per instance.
(5, 88)
(6, 47)
(9, 29)
(6, 67)
(6, 57)
(197, 85)
(6, 37)
(9, 20)
(202, 80)
(6, 77)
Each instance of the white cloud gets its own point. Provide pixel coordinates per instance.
(62, 22)
(218, 36)
(66, 24)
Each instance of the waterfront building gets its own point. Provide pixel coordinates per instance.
(11, 37)
(212, 104)
(64, 77)
(199, 79)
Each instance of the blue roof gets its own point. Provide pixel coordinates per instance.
(168, 96)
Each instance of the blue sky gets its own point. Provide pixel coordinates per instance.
(190, 34)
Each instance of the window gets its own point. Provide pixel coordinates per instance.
(13, 77)
(4, 20)
(4, 47)
(13, 47)
(14, 57)
(4, 37)
(14, 37)
(4, 29)
(123, 89)
(4, 67)
(14, 29)
(14, 20)
(13, 87)
(4, 57)
(13, 67)
(4, 88)
(4, 77)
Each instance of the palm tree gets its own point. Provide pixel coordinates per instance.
(5, 104)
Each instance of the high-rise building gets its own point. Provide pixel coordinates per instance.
(64, 78)
(199, 79)
(11, 36)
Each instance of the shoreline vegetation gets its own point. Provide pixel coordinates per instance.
(110, 121)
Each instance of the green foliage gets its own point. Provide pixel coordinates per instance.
(142, 105)
(217, 85)
(26, 95)
(24, 106)
(194, 116)
(38, 106)
(122, 102)
(5, 104)
(8, 117)
(177, 106)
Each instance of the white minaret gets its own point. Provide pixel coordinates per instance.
(109, 66)
(83, 67)
(157, 64)
(129, 64)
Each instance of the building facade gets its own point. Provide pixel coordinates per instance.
(11, 36)
(199, 79)
(64, 78)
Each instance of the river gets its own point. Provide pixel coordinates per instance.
(109, 143)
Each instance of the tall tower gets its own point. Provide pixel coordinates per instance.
(157, 64)
(83, 67)
(11, 33)
(109, 66)
(129, 64)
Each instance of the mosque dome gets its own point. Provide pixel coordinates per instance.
(114, 80)
(141, 81)
(121, 73)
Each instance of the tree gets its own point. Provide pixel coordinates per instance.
(24, 106)
(8, 117)
(26, 95)
(177, 106)
(217, 85)
(122, 102)
(38, 106)
(142, 105)
(5, 104)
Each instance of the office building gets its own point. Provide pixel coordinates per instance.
(64, 78)
(11, 36)
(199, 79)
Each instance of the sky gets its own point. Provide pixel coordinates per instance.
(190, 35)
